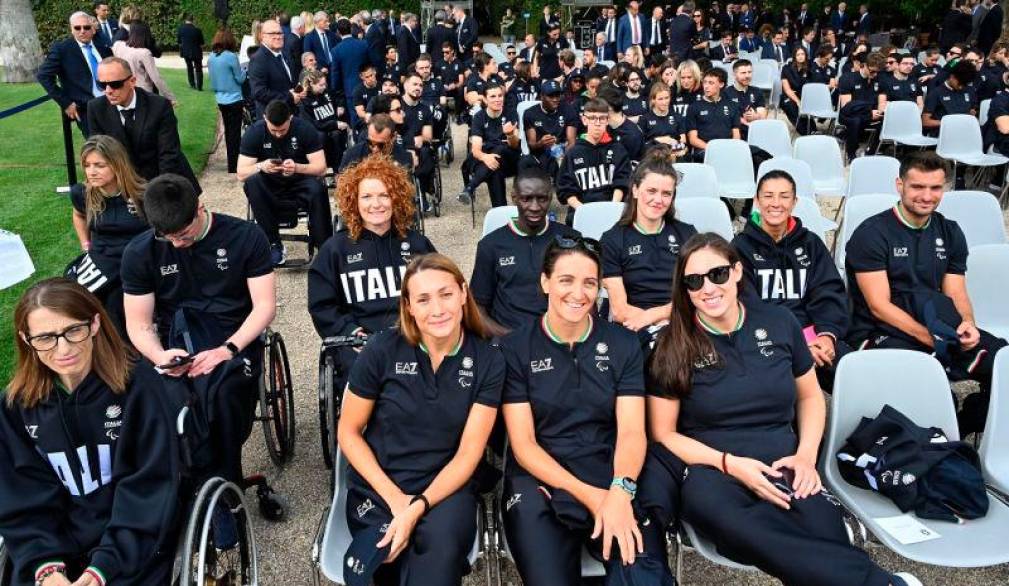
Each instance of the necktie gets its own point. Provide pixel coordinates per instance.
(655, 32)
(777, 48)
(635, 33)
(93, 62)
(129, 124)
(609, 30)
(108, 30)
(325, 47)
(280, 57)
(459, 35)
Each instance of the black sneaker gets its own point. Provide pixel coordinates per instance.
(278, 254)
(464, 197)
(272, 506)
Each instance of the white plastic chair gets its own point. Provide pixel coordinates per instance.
(495, 52)
(993, 452)
(873, 174)
(807, 210)
(814, 102)
(498, 217)
(982, 113)
(979, 216)
(519, 111)
(764, 74)
(733, 166)
(960, 142)
(607, 63)
(771, 135)
(986, 287)
(902, 126)
(592, 219)
(824, 158)
(856, 211)
(706, 215)
(697, 180)
(705, 548)
(800, 171)
(864, 383)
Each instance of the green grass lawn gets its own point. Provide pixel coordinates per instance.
(32, 165)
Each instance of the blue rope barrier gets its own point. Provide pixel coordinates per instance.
(22, 107)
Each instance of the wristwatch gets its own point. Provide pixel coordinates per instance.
(628, 485)
(232, 348)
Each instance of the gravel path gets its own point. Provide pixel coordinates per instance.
(285, 548)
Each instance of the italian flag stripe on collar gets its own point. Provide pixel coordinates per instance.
(714, 331)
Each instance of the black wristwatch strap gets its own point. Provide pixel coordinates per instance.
(423, 499)
(231, 348)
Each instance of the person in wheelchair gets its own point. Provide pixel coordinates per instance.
(421, 402)
(417, 133)
(108, 213)
(354, 281)
(737, 417)
(433, 94)
(381, 140)
(574, 409)
(493, 148)
(282, 159)
(88, 453)
(198, 293)
(319, 109)
(786, 264)
(639, 252)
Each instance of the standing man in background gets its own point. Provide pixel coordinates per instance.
(630, 29)
(107, 26)
(294, 44)
(466, 33)
(320, 41)
(190, 40)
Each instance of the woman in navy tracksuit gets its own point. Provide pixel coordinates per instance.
(574, 409)
(732, 381)
(786, 264)
(421, 402)
(88, 457)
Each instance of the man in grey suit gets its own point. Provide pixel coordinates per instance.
(978, 12)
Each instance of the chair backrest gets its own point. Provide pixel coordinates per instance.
(771, 135)
(497, 217)
(495, 52)
(733, 166)
(815, 99)
(900, 119)
(607, 63)
(979, 216)
(873, 174)
(592, 219)
(697, 180)
(993, 452)
(959, 134)
(856, 211)
(986, 266)
(982, 113)
(807, 210)
(764, 74)
(706, 215)
(798, 169)
(519, 111)
(823, 155)
(337, 538)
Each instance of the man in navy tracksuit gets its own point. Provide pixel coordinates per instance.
(788, 265)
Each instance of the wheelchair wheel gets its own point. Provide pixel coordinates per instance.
(276, 401)
(437, 195)
(203, 563)
(329, 408)
(449, 147)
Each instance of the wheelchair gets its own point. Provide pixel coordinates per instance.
(330, 397)
(276, 399)
(289, 215)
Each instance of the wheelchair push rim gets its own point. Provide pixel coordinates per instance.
(329, 412)
(276, 396)
(202, 563)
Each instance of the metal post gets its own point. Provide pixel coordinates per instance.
(68, 147)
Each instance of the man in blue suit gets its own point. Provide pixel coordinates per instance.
(776, 49)
(374, 38)
(70, 70)
(839, 20)
(630, 29)
(320, 41)
(271, 75)
(347, 58)
(107, 26)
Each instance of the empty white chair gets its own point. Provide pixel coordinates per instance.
(592, 219)
(696, 180)
(993, 452)
(799, 170)
(902, 125)
(874, 174)
(733, 167)
(979, 216)
(495, 52)
(856, 210)
(771, 135)
(814, 102)
(982, 113)
(764, 74)
(706, 215)
(824, 158)
(960, 142)
(520, 110)
(986, 267)
(807, 210)
(607, 64)
(864, 383)
(497, 217)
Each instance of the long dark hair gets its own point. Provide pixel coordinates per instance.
(659, 160)
(140, 36)
(682, 344)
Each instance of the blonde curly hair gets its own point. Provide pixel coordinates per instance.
(397, 183)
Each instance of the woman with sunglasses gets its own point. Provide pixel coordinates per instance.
(735, 402)
(701, 35)
(574, 410)
(421, 402)
(354, 283)
(88, 456)
(107, 214)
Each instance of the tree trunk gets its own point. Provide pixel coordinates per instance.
(20, 53)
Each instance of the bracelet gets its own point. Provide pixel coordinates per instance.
(423, 499)
(725, 467)
(49, 570)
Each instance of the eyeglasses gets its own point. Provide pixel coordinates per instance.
(589, 244)
(161, 237)
(116, 84)
(82, 27)
(377, 145)
(276, 34)
(597, 119)
(891, 62)
(717, 276)
(75, 334)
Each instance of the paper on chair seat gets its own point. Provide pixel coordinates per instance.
(907, 529)
(15, 264)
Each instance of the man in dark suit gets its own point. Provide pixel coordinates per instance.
(406, 43)
(655, 35)
(465, 32)
(607, 25)
(438, 35)
(144, 123)
(864, 24)
(776, 49)
(725, 51)
(107, 26)
(294, 44)
(839, 20)
(190, 39)
(271, 76)
(70, 70)
(991, 28)
(320, 41)
(681, 30)
(805, 18)
(374, 40)
(347, 58)
(807, 41)
(631, 28)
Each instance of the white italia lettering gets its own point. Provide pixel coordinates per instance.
(105, 462)
(372, 284)
(88, 483)
(60, 464)
(782, 283)
(323, 112)
(594, 177)
(376, 290)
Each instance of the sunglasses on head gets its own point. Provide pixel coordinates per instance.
(115, 84)
(717, 276)
(82, 27)
(589, 244)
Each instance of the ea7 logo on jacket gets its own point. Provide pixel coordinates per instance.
(899, 252)
(406, 368)
(542, 365)
(506, 261)
(171, 269)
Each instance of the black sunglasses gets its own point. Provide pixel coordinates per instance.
(717, 276)
(377, 145)
(82, 27)
(115, 84)
(589, 244)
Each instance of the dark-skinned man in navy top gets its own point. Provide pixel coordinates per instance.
(421, 403)
(786, 264)
(639, 253)
(545, 128)
(505, 281)
(950, 96)
(906, 271)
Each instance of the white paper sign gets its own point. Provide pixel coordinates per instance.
(907, 529)
(15, 264)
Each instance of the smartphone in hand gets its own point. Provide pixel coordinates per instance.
(177, 362)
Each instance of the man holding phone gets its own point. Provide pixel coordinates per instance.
(281, 158)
